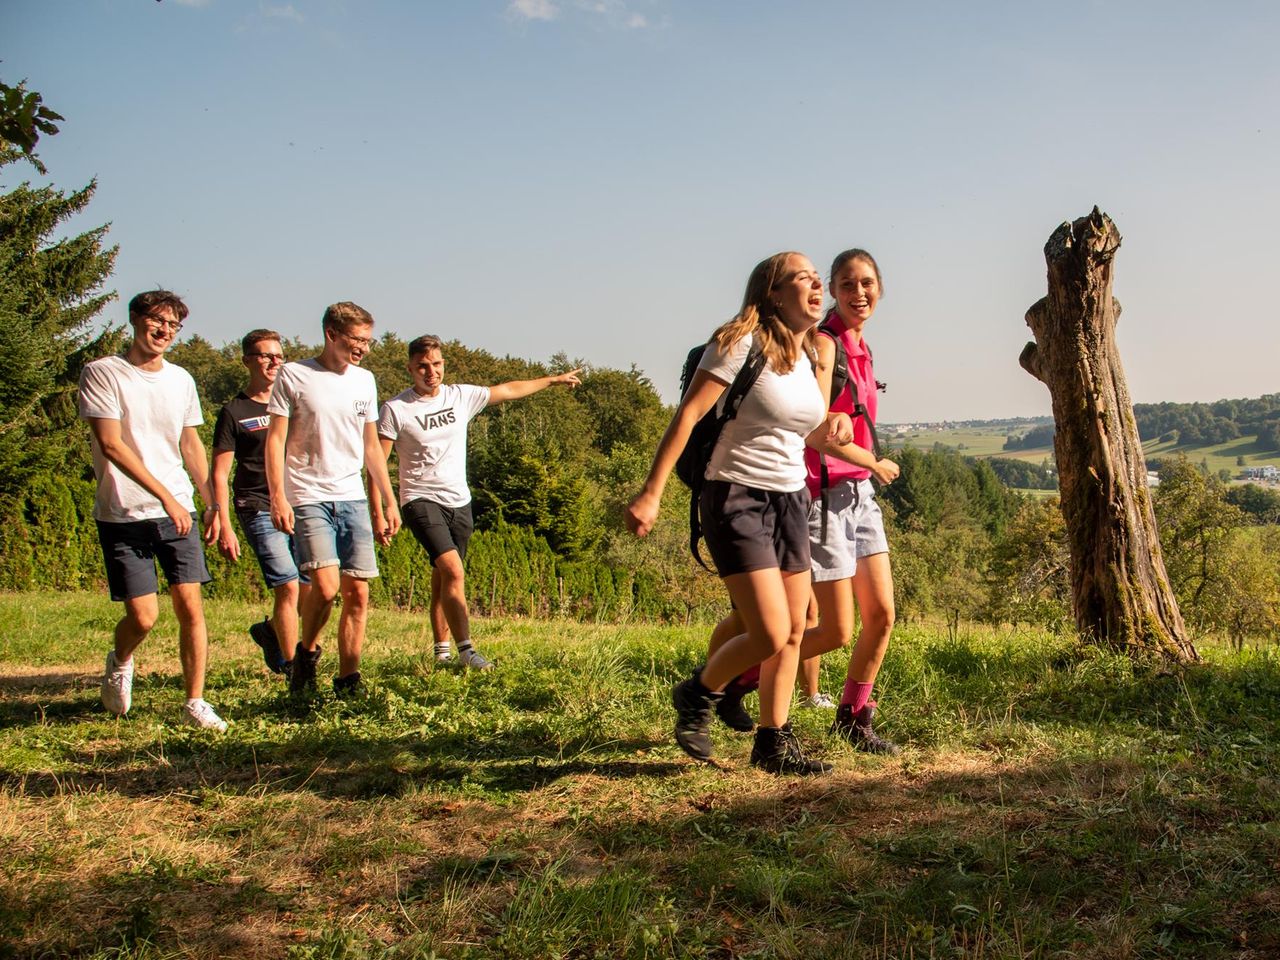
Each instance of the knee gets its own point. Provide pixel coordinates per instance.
(141, 619)
(287, 592)
(879, 622)
(355, 595)
(452, 574)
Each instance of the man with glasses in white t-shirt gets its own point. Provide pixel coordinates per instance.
(323, 430)
(143, 412)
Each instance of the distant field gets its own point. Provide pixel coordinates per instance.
(988, 441)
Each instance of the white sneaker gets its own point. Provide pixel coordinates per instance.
(198, 713)
(470, 658)
(819, 701)
(117, 686)
(443, 653)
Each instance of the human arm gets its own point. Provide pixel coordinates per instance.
(197, 463)
(376, 509)
(375, 462)
(704, 391)
(519, 389)
(273, 455)
(228, 543)
(824, 368)
(110, 439)
(825, 441)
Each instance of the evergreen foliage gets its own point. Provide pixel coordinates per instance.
(50, 292)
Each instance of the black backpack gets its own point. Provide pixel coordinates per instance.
(691, 467)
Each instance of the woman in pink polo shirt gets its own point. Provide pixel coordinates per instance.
(851, 563)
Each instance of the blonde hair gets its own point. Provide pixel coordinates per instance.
(759, 316)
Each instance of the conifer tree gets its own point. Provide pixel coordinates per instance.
(50, 291)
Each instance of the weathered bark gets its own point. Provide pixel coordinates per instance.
(1120, 591)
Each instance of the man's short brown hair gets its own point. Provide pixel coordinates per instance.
(424, 344)
(146, 304)
(255, 337)
(341, 317)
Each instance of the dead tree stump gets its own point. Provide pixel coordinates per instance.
(1120, 591)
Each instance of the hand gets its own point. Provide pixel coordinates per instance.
(393, 521)
(641, 514)
(569, 379)
(282, 515)
(212, 524)
(179, 514)
(229, 543)
(886, 471)
(839, 429)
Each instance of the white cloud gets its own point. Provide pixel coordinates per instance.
(283, 12)
(533, 9)
(192, 3)
(637, 21)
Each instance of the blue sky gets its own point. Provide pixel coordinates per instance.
(598, 176)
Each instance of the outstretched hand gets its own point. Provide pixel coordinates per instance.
(569, 379)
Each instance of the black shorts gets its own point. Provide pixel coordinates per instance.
(749, 529)
(130, 551)
(439, 529)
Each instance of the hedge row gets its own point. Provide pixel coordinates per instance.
(48, 541)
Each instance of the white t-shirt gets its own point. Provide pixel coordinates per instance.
(153, 407)
(327, 411)
(430, 434)
(763, 446)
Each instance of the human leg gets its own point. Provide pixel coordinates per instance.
(440, 633)
(352, 622)
(873, 588)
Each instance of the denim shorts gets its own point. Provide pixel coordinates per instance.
(273, 549)
(335, 534)
(855, 529)
(131, 550)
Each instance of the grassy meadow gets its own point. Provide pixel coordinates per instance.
(1051, 801)
(988, 441)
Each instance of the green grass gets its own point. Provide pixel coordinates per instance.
(1051, 801)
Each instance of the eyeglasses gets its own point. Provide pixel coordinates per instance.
(271, 359)
(365, 342)
(163, 324)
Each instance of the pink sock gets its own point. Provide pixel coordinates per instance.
(750, 678)
(855, 695)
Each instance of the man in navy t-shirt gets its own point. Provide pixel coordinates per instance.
(241, 434)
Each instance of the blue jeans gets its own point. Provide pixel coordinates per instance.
(274, 550)
(338, 533)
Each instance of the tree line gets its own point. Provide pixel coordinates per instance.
(551, 476)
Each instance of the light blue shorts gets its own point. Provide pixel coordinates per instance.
(855, 528)
(335, 534)
(273, 549)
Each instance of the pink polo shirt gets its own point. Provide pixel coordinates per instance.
(862, 379)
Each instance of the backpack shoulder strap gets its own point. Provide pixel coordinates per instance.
(735, 393)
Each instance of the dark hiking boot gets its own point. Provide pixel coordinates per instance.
(264, 635)
(348, 686)
(731, 711)
(694, 704)
(856, 728)
(777, 750)
(303, 674)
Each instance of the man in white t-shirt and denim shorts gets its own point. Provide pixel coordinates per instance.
(427, 424)
(322, 432)
(143, 412)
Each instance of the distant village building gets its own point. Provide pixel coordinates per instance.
(1262, 473)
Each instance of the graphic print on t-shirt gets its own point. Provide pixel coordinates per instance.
(441, 418)
(254, 424)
